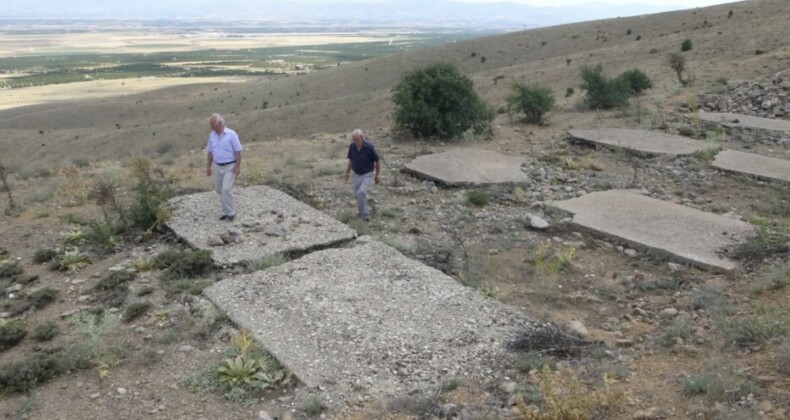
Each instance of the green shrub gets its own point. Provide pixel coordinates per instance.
(149, 202)
(712, 299)
(45, 332)
(44, 255)
(113, 288)
(102, 235)
(42, 298)
(636, 80)
(136, 310)
(72, 261)
(678, 64)
(685, 45)
(477, 198)
(438, 100)
(680, 328)
(11, 333)
(184, 264)
(265, 262)
(776, 278)
(603, 92)
(533, 101)
(9, 270)
(114, 279)
(312, 407)
(29, 373)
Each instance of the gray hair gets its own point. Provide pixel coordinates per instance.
(218, 118)
(358, 132)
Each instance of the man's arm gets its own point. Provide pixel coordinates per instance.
(348, 171)
(378, 170)
(209, 159)
(237, 166)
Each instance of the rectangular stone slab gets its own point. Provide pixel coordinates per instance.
(469, 167)
(262, 212)
(744, 121)
(639, 141)
(669, 229)
(368, 318)
(762, 167)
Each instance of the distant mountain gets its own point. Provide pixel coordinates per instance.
(349, 12)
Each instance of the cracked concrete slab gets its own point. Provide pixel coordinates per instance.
(368, 318)
(639, 141)
(729, 119)
(268, 222)
(469, 167)
(678, 232)
(762, 167)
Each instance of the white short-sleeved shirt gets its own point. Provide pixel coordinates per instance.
(223, 147)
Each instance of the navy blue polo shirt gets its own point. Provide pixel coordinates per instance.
(362, 160)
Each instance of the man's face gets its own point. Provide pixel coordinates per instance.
(357, 139)
(216, 125)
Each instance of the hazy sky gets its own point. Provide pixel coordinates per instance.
(683, 3)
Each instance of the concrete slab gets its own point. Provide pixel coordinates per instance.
(665, 228)
(639, 141)
(762, 167)
(267, 222)
(469, 167)
(370, 319)
(728, 119)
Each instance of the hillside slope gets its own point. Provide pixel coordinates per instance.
(357, 94)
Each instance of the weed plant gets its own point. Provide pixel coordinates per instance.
(265, 262)
(45, 332)
(477, 198)
(136, 310)
(11, 333)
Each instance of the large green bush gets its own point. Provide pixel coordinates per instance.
(603, 92)
(438, 100)
(533, 101)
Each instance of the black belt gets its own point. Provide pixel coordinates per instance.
(225, 164)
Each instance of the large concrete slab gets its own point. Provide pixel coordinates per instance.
(639, 141)
(370, 319)
(469, 167)
(744, 121)
(267, 222)
(669, 229)
(762, 167)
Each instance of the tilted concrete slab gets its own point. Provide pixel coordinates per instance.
(368, 318)
(267, 222)
(762, 167)
(665, 228)
(639, 141)
(744, 121)
(469, 167)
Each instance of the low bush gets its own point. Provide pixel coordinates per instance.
(136, 310)
(184, 264)
(112, 289)
(11, 333)
(603, 92)
(534, 101)
(477, 198)
(44, 255)
(686, 45)
(45, 332)
(29, 373)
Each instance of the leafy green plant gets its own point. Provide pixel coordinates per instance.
(27, 374)
(73, 260)
(533, 101)
(95, 349)
(636, 80)
(102, 234)
(603, 92)
(686, 45)
(678, 64)
(142, 264)
(312, 406)
(74, 236)
(477, 198)
(438, 100)
(11, 333)
(776, 278)
(10, 270)
(533, 361)
(680, 328)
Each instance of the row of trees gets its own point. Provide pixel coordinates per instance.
(439, 101)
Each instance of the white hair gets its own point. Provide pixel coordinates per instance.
(218, 118)
(358, 132)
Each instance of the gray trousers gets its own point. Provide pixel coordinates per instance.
(223, 185)
(360, 185)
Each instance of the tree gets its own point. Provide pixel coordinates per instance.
(438, 100)
(533, 101)
(678, 63)
(685, 45)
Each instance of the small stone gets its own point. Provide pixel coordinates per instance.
(448, 411)
(83, 298)
(765, 406)
(95, 395)
(78, 281)
(186, 348)
(509, 387)
(274, 231)
(674, 267)
(215, 241)
(14, 288)
(630, 252)
(624, 342)
(364, 239)
(262, 415)
(227, 238)
(121, 391)
(668, 313)
(234, 232)
(650, 413)
(536, 222)
(577, 328)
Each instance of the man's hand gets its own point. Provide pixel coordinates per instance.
(237, 170)
(376, 179)
(345, 177)
(208, 170)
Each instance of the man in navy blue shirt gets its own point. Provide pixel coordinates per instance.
(364, 161)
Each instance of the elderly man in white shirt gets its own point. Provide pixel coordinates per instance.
(224, 159)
